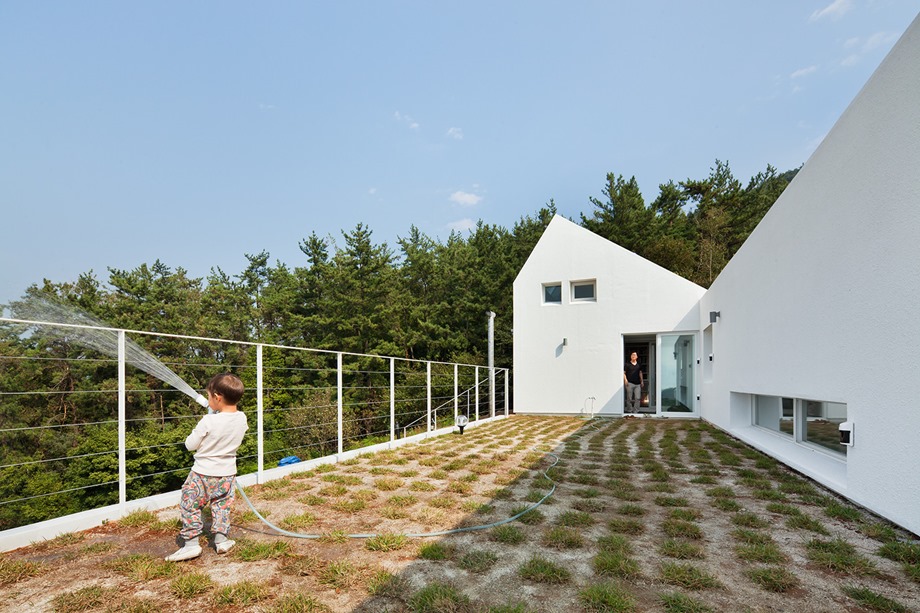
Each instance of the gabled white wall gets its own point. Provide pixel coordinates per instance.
(823, 300)
(633, 296)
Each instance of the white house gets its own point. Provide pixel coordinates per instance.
(579, 300)
(811, 325)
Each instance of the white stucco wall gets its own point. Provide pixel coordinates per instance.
(633, 296)
(821, 302)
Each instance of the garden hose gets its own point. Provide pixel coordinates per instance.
(418, 535)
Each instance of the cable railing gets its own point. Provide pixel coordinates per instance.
(80, 431)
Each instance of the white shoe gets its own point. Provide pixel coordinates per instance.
(185, 553)
(225, 546)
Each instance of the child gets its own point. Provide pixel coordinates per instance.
(216, 438)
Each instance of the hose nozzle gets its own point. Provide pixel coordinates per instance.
(202, 401)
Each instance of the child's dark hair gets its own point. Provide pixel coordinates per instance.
(227, 385)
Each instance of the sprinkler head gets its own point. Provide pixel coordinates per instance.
(202, 401)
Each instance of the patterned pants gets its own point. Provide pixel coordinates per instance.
(199, 491)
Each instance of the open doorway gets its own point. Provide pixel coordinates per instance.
(644, 346)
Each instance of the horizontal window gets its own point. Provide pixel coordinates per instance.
(814, 422)
(583, 291)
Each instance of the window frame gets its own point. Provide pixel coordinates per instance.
(582, 283)
(545, 286)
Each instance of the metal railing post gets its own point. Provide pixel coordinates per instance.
(122, 410)
(428, 385)
(477, 393)
(456, 398)
(507, 372)
(260, 417)
(392, 400)
(340, 401)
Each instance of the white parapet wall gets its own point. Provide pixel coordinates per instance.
(49, 529)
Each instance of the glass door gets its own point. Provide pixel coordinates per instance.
(677, 374)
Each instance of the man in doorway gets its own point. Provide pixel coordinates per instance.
(632, 379)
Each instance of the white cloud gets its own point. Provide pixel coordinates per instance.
(879, 39)
(465, 198)
(455, 133)
(266, 107)
(461, 225)
(372, 191)
(803, 72)
(850, 60)
(406, 119)
(835, 10)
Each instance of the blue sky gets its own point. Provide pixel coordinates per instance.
(195, 132)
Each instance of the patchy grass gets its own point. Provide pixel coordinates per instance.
(298, 603)
(632, 510)
(507, 534)
(477, 561)
(765, 553)
(907, 553)
(681, 550)
(675, 602)
(607, 597)
(339, 574)
(386, 542)
(436, 551)
(143, 567)
(805, 522)
(872, 600)
(437, 597)
(84, 599)
(561, 537)
(843, 512)
(678, 528)
(626, 526)
(614, 563)
(14, 571)
(249, 550)
(749, 520)
(687, 576)
(839, 556)
(773, 578)
(540, 570)
(576, 519)
(191, 585)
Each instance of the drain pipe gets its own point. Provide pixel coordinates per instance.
(491, 315)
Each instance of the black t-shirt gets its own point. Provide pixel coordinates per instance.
(632, 372)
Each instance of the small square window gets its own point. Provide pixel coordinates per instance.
(583, 291)
(552, 293)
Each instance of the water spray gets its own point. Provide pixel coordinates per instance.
(73, 327)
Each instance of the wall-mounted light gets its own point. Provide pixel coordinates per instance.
(565, 342)
(714, 315)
